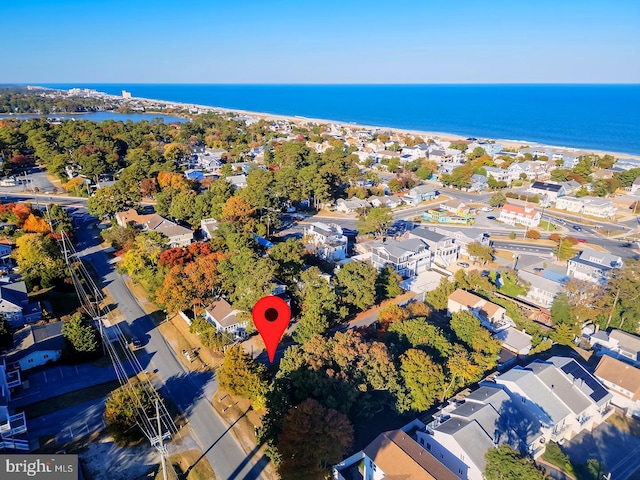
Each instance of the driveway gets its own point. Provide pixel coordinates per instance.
(54, 381)
(618, 450)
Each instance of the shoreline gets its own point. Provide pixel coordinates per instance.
(446, 136)
(301, 120)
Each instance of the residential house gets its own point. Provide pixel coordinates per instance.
(525, 407)
(491, 149)
(492, 316)
(456, 206)
(635, 187)
(515, 214)
(15, 305)
(421, 193)
(237, 181)
(627, 163)
(598, 207)
(439, 156)
(13, 426)
(461, 433)
(462, 238)
(618, 344)
(519, 170)
(36, 345)
(177, 235)
(416, 151)
(352, 205)
(208, 226)
(592, 265)
(514, 340)
(479, 183)
(542, 290)
(393, 455)
(222, 316)
(498, 174)
(623, 382)
(389, 201)
(560, 393)
(5, 253)
(602, 174)
(408, 256)
(547, 192)
(570, 204)
(570, 186)
(443, 248)
(327, 241)
(570, 160)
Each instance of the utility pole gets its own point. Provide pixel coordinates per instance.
(160, 444)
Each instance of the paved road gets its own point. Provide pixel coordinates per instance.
(190, 390)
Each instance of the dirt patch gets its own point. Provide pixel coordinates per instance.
(188, 465)
(626, 424)
(176, 332)
(237, 412)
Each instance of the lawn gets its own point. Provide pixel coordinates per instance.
(63, 302)
(546, 226)
(69, 399)
(190, 465)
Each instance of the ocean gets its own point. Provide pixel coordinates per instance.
(596, 117)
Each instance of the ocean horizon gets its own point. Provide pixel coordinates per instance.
(603, 117)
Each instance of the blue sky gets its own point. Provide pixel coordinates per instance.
(306, 41)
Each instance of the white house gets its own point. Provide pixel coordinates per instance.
(237, 181)
(224, 318)
(515, 214)
(208, 226)
(15, 305)
(542, 290)
(36, 345)
(13, 426)
(394, 455)
(498, 174)
(547, 192)
(623, 382)
(352, 205)
(618, 344)
(420, 193)
(444, 248)
(408, 256)
(492, 316)
(592, 265)
(326, 240)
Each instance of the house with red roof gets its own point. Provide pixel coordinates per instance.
(516, 214)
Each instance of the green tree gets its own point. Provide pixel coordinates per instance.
(81, 335)
(439, 297)
(289, 259)
(242, 376)
(497, 200)
(122, 411)
(244, 289)
(356, 285)
(469, 329)
(313, 439)
(376, 221)
(505, 463)
(565, 250)
(423, 379)
(481, 253)
(109, 200)
(388, 283)
(319, 306)
(39, 259)
(561, 310)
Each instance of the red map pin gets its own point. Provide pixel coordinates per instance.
(271, 317)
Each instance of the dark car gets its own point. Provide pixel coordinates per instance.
(491, 218)
(136, 343)
(577, 228)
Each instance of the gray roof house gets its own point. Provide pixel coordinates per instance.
(420, 193)
(592, 265)
(36, 345)
(15, 306)
(542, 290)
(408, 256)
(618, 344)
(444, 248)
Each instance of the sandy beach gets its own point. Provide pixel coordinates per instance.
(451, 137)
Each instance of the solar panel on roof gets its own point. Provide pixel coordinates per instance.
(598, 392)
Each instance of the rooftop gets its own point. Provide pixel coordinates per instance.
(621, 374)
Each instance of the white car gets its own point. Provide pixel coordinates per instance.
(486, 209)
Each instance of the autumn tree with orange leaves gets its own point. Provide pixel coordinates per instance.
(35, 224)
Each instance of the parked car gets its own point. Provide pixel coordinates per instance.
(189, 355)
(463, 264)
(486, 209)
(136, 343)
